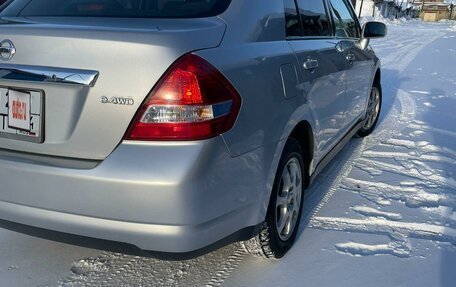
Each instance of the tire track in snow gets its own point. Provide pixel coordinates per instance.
(386, 227)
(406, 48)
(113, 269)
(411, 164)
(421, 147)
(412, 196)
(427, 176)
(409, 156)
(424, 127)
(230, 264)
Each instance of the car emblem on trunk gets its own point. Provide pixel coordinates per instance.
(118, 101)
(7, 50)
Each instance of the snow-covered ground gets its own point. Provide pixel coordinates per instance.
(383, 213)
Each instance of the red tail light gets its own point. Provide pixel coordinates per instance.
(192, 101)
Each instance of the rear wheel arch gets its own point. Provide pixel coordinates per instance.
(373, 109)
(303, 134)
(269, 243)
(378, 76)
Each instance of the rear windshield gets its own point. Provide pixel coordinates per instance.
(125, 8)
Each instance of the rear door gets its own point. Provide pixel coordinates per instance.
(323, 72)
(358, 62)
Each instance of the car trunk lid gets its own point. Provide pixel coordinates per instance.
(93, 74)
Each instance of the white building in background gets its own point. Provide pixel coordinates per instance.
(390, 9)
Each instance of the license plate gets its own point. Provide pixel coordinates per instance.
(21, 114)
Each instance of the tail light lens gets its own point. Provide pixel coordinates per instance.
(192, 101)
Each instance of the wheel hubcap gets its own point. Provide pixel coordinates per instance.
(373, 109)
(289, 199)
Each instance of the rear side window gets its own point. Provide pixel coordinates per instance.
(314, 18)
(344, 20)
(293, 26)
(126, 8)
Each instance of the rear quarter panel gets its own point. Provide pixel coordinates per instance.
(251, 56)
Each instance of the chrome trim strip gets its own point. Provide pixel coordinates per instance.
(47, 160)
(48, 75)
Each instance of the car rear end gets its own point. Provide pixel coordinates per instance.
(110, 123)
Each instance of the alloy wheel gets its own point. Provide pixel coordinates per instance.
(288, 201)
(373, 109)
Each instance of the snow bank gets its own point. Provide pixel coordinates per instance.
(453, 28)
(390, 22)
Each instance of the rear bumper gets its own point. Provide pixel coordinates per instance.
(167, 197)
(180, 237)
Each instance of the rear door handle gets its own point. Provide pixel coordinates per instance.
(310, 64)
(351, 57)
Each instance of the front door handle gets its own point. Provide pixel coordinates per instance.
(351, 57)
(310, 64)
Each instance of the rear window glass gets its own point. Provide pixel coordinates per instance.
(126, 8)
(314, 18)
(293, 26)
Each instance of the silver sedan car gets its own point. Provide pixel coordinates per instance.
(174, 127)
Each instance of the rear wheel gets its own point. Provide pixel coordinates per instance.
(285, 207)
(373, 110)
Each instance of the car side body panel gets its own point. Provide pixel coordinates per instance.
(323, 89)
(359, 75)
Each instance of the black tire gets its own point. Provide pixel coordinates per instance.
(365, 131)
(268, 243)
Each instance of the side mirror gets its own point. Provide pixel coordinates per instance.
(372, 30)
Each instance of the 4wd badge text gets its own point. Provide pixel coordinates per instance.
(118, 101)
